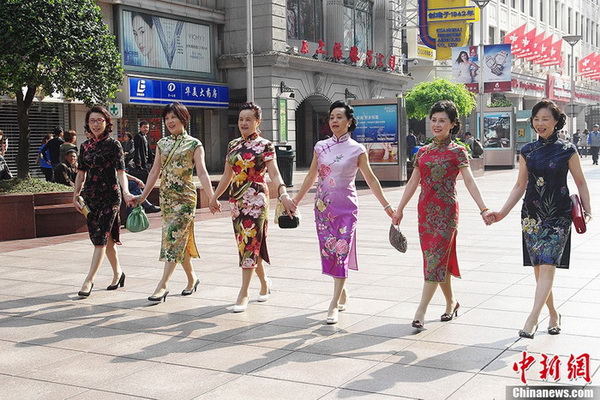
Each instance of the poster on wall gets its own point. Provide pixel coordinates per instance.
(465, 67)
(497, 130)
(377, 130)
(497, 68)
(165, 43)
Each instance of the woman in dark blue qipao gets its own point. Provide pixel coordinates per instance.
(546, 212)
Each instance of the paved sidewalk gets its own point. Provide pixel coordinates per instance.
(116, 345)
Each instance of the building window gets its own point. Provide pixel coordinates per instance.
(522, 5)
(305, 19)
(492, 35)
(531, 8)
(569, 12)
(513, 3)
(502, 36)
(358, 24)
(542, 10)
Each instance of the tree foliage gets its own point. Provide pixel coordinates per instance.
(500, 103)
(55, 46)
(426, 94)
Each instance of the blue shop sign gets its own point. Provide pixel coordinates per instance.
(155, 91)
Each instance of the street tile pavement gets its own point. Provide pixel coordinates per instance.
(116, 345)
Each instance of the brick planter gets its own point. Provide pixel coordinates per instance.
(17, 218)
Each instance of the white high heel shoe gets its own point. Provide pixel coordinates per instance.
(333, 319)
(264, 297)
(344, 306)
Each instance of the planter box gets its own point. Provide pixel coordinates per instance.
(55, 215)
(27, 216)
(17, 220)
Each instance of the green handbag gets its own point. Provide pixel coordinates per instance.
(137, 220)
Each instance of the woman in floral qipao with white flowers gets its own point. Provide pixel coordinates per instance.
(176, 156)
(336, 161)
(248, 158)
(546, 212)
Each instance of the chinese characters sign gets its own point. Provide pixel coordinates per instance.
(154, 91)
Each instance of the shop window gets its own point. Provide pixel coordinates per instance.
(305, 19)
(358, 24)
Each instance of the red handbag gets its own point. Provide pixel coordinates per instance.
(577, 214)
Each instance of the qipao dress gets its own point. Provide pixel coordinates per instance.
(101, 159)
(546, 212)
(178, 197)
(249, 196)
(336, 203)
(439, 164)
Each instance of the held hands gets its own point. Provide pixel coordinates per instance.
(131, 200)
(214, 206)
(289, 205)
(397, 217)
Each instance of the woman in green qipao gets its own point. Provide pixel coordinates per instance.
(176, 156)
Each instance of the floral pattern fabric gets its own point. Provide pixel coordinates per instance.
(101, 159)
(439, 164)
(336, 204)
(178, 197)
(249, 196)
(546, 212)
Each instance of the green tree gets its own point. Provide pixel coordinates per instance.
(55, 46)
(425, 94)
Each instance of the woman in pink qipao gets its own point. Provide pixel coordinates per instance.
(335, 162)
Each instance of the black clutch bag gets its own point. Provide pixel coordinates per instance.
(285, 222)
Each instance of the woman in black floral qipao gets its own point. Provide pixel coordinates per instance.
(546, 212)
(102, 168)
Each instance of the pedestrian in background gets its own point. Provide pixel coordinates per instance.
(66, 172)
(53, 147)
(45, 166)
(546, 211)
(335, 162)
(247, 160)
(584, 139)
(436, 167)
(176, 157)
(594, 143)
(128, 149)
(575, 139)
(102, 167)
(411, 142)
(142, 153)
(3, 144)
(70, 138)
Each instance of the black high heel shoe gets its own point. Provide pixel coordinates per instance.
(162, 298)
(85, 294)
(187, 292)
(555, 330)
(448, 317)
(528, 335)
(417, 324)
(120, 283)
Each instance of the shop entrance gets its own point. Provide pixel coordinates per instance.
(312, 125)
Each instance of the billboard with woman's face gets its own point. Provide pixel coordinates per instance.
(165, 43)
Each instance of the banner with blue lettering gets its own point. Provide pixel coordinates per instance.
(154, 91)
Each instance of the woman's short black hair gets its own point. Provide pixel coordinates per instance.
(557, 113)
(254, 107)
(107, 118)
(450, 109)
(128, 135)
(180, 111)
(349, 112)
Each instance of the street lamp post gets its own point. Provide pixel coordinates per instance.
(572, 40)
(481, 4)
(249, 53)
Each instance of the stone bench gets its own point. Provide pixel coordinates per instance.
(55, 215)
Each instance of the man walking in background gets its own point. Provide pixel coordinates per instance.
(594, 143)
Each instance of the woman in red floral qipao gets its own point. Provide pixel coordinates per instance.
(248, 158)
(436, 167)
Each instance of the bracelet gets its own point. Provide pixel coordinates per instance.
(587, 214)
(484, 210)
(386, 207)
